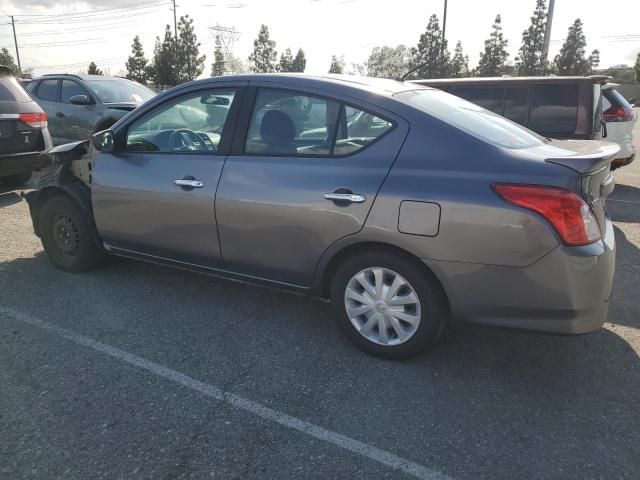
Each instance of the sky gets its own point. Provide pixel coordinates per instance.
(51, 40)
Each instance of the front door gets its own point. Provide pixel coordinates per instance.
(306, 175)
(156, 195)
(77, 120)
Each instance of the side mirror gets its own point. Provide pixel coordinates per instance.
(80, 100)
(103, 141)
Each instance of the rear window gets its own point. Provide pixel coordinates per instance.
(12, 91)
(490, 98)
(615, 99)
(471, 118)
(554, 108)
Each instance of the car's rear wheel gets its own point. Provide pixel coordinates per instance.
(67, 236)
(387, 306)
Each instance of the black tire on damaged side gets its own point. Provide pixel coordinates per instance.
(434, 307)
(87, 254)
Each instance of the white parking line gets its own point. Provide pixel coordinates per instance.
(315, 431)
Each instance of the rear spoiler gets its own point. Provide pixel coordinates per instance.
(588, 161)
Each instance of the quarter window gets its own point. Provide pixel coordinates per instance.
(192, 123)
(554, 108)
(48, 90)
(288, 123)
(357, 129)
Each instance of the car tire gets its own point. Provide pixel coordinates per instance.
(16, 180)
(68, 236)
(428, 315)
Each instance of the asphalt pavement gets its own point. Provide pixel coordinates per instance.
(139, 371)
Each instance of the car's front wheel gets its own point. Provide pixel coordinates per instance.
(387, 306)
(67, 236)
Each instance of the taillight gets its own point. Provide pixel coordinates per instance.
(34, 120)
(569, 214)
(618, 114)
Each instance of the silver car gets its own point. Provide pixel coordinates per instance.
(407, 207)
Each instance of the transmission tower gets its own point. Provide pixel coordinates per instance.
(228, 37)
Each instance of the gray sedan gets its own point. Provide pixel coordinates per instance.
(407, 207)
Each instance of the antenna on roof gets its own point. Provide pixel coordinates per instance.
(401, 79)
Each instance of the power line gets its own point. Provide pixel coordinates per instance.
(97, 12)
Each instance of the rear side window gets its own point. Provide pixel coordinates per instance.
(516, 104)
(471, 118)
(12, 91)
(288, 123)
(70, 89)
(357, 129)
(490, 98)
(554, 108)
(48, 90)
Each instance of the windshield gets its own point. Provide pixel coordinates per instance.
(120, 91)
(471, 118)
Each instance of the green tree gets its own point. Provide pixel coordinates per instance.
(388, 62)
(459, 63)
(235, 65)
(137, 63)
(94, 70)
(493, 61)
(529, 60)
(263, 58)
(337, 65)
(299, 62)
(7, 60)
(636, 67)
(162, 71)
(190, 63)
(286, 61)
(571, 60)
(432, 52)
(218, 66)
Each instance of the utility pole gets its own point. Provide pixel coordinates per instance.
(175, 21)
(444, 28)
(547, 33)
(15, 41)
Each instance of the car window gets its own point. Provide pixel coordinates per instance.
(12, 91)
(357, 129)
(48, 90)
(468, 117)
(289, 123)
(190, 123)
(71, 88)
(120, 90)
(487, 97)
(554, 108)
(516, 104)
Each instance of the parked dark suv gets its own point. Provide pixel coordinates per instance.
(555, 107)
(23, 131)
(80, 105)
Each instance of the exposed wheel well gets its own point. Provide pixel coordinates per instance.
(338, 258)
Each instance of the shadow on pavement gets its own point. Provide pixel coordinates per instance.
(9, 198)
(486, 403)
(625, 305)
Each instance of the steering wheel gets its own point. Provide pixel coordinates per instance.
(185, 139)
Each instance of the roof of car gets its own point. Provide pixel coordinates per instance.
(6, 71)
(507, 79)
(80, 76)
(374, 85)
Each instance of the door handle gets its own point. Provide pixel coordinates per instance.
(187, 183)
(59, 114)
(345, 197)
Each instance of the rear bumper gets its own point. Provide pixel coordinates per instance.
(567, 291)
(17, 163)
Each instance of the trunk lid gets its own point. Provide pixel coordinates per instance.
(592, 161)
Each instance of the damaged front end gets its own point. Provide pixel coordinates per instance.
(69, 174)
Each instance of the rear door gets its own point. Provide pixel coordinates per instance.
(303, 172)
(47, 94)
